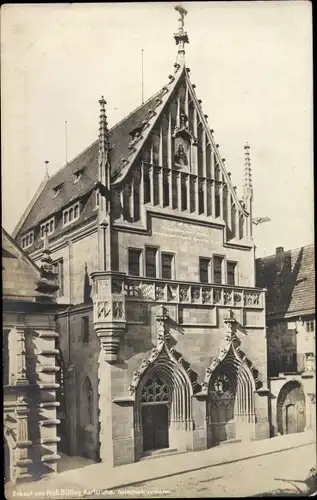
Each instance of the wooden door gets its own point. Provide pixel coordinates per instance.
(155, 426)
(291, 423)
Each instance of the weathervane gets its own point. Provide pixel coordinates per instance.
(183, 12)
(181, 37)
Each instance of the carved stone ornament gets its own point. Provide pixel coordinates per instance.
(162, 349)
(231, 343)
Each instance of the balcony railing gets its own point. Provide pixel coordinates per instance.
(158, 290)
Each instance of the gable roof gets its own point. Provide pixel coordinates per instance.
(20, 275)
(290, 280)
(122, 156)
(45, 204)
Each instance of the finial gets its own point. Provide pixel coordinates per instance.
(181, 36)
(46, 170)
(247, 188)
(103, 129)
(46, 261)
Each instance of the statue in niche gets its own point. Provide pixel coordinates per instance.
(181, 150)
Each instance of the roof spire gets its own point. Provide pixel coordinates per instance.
(181, 37)
(247, 187)
(103, 131)
(47, 175)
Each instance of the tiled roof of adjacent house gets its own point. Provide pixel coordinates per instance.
(19, 274)
(46, 204)
(290, 280)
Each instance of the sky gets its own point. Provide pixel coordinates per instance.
(251, 63)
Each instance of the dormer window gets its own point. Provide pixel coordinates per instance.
(71, 214)
(57, 189)
(48, 226)
(27, 240)
(78, 174)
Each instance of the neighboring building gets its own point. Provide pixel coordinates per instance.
(290, 281)
(29, 369)
(164, 339)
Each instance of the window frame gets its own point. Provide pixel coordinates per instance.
(27, 236)
(222, 257)
(60, 276)
(235, 272)
(141, 261)
(209, 271)
(67, 211)
(157, 261)
(85, 329)
(173, 269)
(45, 225)
(311, 327)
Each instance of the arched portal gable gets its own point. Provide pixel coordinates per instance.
(231, 355)
(164, 355)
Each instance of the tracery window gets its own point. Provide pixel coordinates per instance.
(154, 390)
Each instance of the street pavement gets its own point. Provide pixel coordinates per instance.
(273, 467)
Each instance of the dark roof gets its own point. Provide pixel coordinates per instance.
(19, 274)
(290, 280)
(46, 204)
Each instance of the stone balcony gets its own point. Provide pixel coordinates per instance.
(181, 292)
(120, 299)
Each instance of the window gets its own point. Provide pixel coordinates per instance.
(310, 326)
(48, 226)
(167, 266)
(78, 174)
(59, 271)
(204, 270)
(71, 214)
(218, 270)
(57, 190)
(97, 198)
(27, 240)
(150, 262)
(231, 273)
(85, 328)
(134, 261)
(87, 403)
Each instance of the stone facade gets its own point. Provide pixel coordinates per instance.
(29, 367)
(164, 339)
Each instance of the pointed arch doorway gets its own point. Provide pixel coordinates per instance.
(163, 407)
(230, 402)
(155, 402)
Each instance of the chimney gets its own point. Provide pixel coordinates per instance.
(280, 258)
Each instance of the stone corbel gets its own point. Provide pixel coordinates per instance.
(110, 338)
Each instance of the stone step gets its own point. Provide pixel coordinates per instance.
(159, 453)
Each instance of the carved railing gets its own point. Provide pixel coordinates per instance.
(158, 290)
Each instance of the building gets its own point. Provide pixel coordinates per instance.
(30, 364)
(290, 281)
(163, 339)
